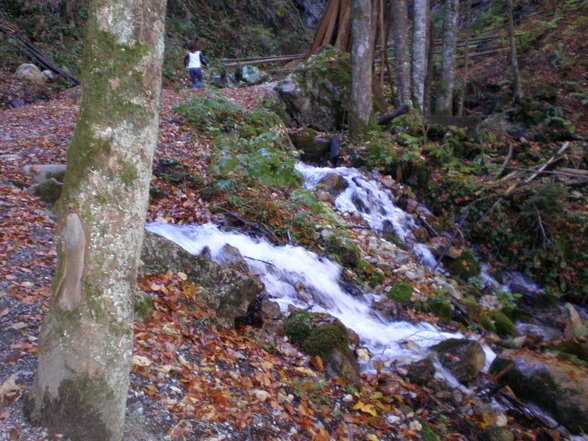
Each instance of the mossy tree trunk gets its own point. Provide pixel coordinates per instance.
(401, 50)
(82, 377)
(444, 104)
(361, 67)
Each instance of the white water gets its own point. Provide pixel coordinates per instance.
(295, 276)
(373, 203)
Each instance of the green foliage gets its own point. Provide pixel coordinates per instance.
(344, 252)
(401, 292)
(465, 266)
(370, 274)
(299, 326)
(504, 325)
(211, 113)
(441, 308)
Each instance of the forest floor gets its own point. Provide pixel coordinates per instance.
(201, 382)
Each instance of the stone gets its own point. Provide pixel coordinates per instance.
(42, 172)
(557, 386)
(343, 363)
(421, 234)
(421, 372)
(227, 291)
(48, 76)
(496, 433)
(574, 326)
(48, 191)
(438, 244)
(463, 358)
(334, 184)
(31, 73)
(231, 257)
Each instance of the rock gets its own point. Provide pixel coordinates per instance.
(334, 184)
(546, 333)
(31, 73)
(143, 306)
(314, 148)
(48, 191)
(227, 291)
(574, 326)
(9, 157)
(343, 363)
(316, 93)
(463, 358)
(48, 76)
(557, 386)
(42, 172)
(496, 433)
(421, 372)
(421, 234)
(231, 257)
(437, 246)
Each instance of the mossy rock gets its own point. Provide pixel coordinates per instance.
(346, 253)
(465, 266)
(410, 123)
(504, 325)
(477, 314)
(299, 326)
(401, 292)
(496, 433)
(441, 308)
(323, 339)
(370, 274)
(143, 306)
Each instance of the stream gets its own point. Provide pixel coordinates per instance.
(295, 276)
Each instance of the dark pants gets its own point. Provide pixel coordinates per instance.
(196, 77)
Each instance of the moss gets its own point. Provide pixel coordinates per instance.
(441, 308)
(401, 292)
(143, 306)
(345, 253)
(465, 266)
(299, 326)
(370, 274)
(504, 325)
(427, 433)
(477, 314)
(325, 338)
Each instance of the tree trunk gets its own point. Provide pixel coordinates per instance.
(466, 56)
(419, 50)
(402, 64)
(361, 67)
(82, 377)
(514, 64)
(444, 104)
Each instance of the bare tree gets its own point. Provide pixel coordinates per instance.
(401, 50)
(514, 64)
(84, 353)
(361, 66)
(444, 104)
(466, 58)
(419, 50)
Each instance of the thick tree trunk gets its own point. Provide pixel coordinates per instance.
(444, 104)
(361, 67)
(401, 50)
(514, 64)
(84, 352)
(419, 50)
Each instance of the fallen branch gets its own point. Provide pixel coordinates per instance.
(383, 120)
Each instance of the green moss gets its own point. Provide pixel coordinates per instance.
(369, 273)
(504, 325)
(143, 305)
(427, 433)
(299, 326)
(401, 292)
(477, 314)
(345, 253)
(465, 266)
(325, 338)
(441, 308)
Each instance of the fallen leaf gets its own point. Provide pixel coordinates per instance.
(141, 361)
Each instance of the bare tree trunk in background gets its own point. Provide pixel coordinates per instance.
(84, 353)
(401, 49)
(514, 64)
(466, 61)
(419, 50)
(361, 67)
(444, 104)
(430, 70)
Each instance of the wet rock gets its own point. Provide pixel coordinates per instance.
(574, 326)
(421, 234)
(31, 73)
(227, 291)
(421, 372)
(313, 146)
(496, 433)
(463, 358)
(438, 244)
(557, 386)
(545, 333)
(334, 184)
(231, 257)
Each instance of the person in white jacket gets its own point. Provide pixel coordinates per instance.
(194, 62)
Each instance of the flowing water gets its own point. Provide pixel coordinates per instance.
(295, 276)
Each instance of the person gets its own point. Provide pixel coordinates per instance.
(194, 62)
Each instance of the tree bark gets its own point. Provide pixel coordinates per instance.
(401, 50)
(444, 104)
(514, 64)
(361, 67)
(419, 50)
(464, 77)
(82, 377)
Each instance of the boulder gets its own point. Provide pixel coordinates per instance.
(334, 184)
(574, 326)
(31, 73)
(421, 372)
(316, 93)
(48, 76)
(227, 291)
(313, 146)
(463, 358)
(48, 191)
(557, 386)
(231, 257)
(496, 433)
(40, 173)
